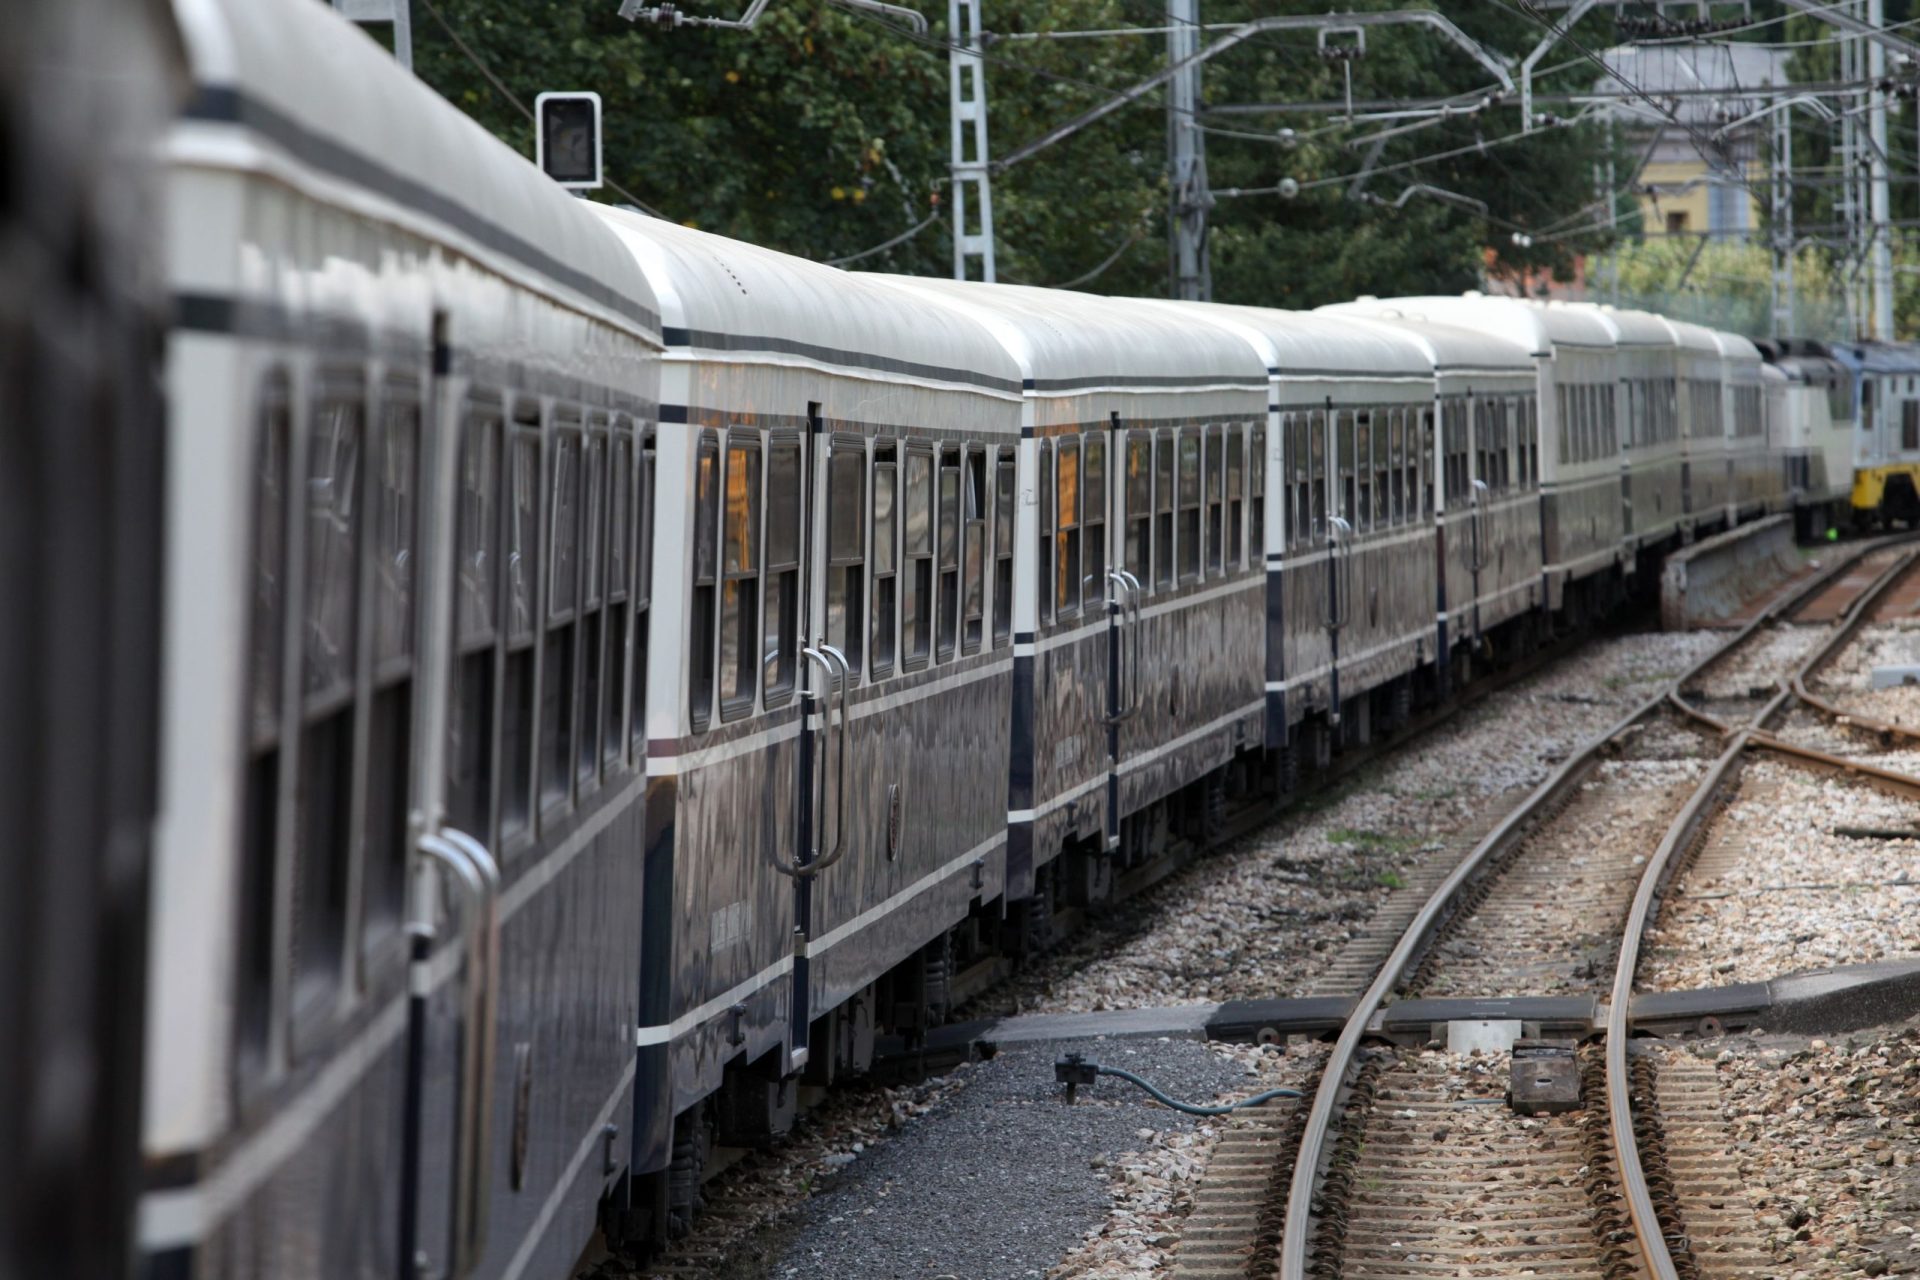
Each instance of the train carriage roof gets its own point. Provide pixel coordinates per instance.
(1517, 320)
(1071, 341)
(275, 68)
(725, 295)
(1447, 347)
(1692, 337)
(1301, 345)
(1630, 328)
(1901, 358)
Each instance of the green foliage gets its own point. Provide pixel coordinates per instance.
(824, 132)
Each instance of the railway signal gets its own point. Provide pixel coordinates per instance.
(567, 138)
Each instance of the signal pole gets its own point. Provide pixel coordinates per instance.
(1881, 227)
(967, 124)
(1190, 274)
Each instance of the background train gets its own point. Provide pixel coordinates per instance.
(608, 676)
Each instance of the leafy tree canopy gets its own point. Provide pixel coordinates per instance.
(824, 132)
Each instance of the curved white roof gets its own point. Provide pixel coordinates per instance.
(1733, 346)
(1450, 348)
(1630, 328)
(1517, 320)
(1299, 344)
(1692, 337)
(277, 69)
(726, 295)
(1065, 340)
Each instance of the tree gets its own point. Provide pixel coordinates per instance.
(824, 132)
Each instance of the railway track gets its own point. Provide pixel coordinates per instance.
(1407, 1162)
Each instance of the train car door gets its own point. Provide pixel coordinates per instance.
(832, 509)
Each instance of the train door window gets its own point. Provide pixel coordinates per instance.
(1257, 496)
(395, 516)
(1139, 515)
(559, 649)
(1047, 517)
(846, 558)
(593, 603)
(1003, 495)
(259, 832)
(1188, 539)
(973, 550)
(323, 835)
(1163, 570)
(1381, 429)
(1348, 485)
(1910, 425)
(1317, 472)
(1533, 441)
(643, 488)
(917, 596)
(949, 517)
(1093, 485)
(1566, 432)
(1425, 452)
(706, 580)
(1236, 497)
(886, 550)
(1396, 506)
(470, 717)
(1293, 436)
(780, 654)
(520, 605)
(1213, 464)
(740, 531)
(619, 587)
(1066, 538)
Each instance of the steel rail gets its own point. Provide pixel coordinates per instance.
(1850, 624)
(1788, 604)
(1313, 1151)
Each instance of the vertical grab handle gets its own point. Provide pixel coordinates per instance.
(843, 685)
(466, 863)
(1134, 593)
(1480, 515)
(1339, 572)
(838, 672)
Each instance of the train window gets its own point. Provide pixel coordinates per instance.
(1163, 510)
(1236, 496)
(323, 834)
(706, 580)
(1093, 521)
(739, 665)
(1048, 510)
(470, 714)
(949, 551)
(917, 594)
(886, 480)
(1003, 495)
(1380, 429)
(593, 595)
(559, 655)
(1257, 496)
(395, 515)
(1348, 487)
(642, 597)
(1066, 538)
(1189, 538)
(1293, 429)
(523, 549)
(1139, 502)
(1393, 506)
(1317, 473)
(1910, 424)
(619, 585)
(846, 559)
(265, 655)
(780, 651)
(1214, 465)
(1426, 464)
(973, 551)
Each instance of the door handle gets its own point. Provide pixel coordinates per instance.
(836, 670)
(1126, 603)
(1340, 572)
(465, 863)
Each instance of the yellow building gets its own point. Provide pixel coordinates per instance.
(1695, 179)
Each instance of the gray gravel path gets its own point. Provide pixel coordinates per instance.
(1000, 1181)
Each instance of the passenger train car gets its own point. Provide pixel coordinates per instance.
(82, 322)
(613, 676)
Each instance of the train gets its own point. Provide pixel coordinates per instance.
(558, 684)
